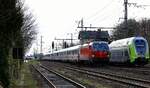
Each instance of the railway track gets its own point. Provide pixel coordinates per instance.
(145, 70)
(56, 80)
(117, 78)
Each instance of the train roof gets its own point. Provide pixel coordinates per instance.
(99, 42)
(74, 47)
(124, 42)
(68, 49)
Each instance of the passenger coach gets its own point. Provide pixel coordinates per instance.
(97, 51)
(134, 50)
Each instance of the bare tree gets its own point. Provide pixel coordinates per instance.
(17, 29)
(132, 30)
(27, 32)
(145, 29)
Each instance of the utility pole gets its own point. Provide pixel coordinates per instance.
(126, 14)
(41, 45)
(82, 24)
(67, 39)
(37, 47)
(81, 41)
(71, 38)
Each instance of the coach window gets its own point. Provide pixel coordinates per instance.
(120, 52)
(126, 52)
(76, 51)
(72, 52)
(68, 52)
(64, 53)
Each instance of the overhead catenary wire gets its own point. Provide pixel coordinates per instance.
(139, 10)
(103, 14)
(99, 11)
(108, 16)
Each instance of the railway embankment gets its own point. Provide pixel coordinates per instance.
(85, 79)
(106, 76)
(30, 78)
(26, 79)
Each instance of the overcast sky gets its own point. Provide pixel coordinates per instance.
(58, 18)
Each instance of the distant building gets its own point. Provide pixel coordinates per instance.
(88, 36)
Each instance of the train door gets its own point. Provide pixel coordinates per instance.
(125, 55)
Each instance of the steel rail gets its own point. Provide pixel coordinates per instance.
(127, 80)
(78, 85)
(45, 78)
(143, 69)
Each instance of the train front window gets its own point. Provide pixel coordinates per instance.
(140, 46)
(100, 47)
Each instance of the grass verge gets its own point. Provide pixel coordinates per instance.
(25, 80)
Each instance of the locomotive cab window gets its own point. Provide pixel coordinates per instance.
(140, 46)
(100, 47)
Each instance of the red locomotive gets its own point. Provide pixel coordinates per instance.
(97, 51)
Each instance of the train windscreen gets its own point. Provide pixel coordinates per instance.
(100, 47)
(140, 46)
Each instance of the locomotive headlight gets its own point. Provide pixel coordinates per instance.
(93, 55)
(108, 55)
(140, 54)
